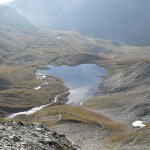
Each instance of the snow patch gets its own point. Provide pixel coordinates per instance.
(40, 76)
(58, 37)
(40, 86)
(138, 124)
(37, 88)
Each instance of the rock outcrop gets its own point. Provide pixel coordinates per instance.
(136, 75)
(21, 136)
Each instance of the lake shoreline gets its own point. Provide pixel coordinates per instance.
(81, 79)
(44, 77)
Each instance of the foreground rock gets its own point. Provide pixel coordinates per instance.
(22, 136)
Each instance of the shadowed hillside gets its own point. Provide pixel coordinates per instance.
(10, 17)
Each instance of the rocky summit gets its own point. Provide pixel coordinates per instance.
(24, 136)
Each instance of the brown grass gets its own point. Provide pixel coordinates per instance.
(108, 101)
(138, 137)
(2, 120)
(77, 114)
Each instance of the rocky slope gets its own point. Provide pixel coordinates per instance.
(139, 140)
(132, 77)
(20, 135)
(15, 20)
(125, 96)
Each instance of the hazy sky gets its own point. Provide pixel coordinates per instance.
(5, 1)
(123, 20)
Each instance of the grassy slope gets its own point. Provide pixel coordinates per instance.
(49, 116)
(2, 120)
(19, 87)
(137, 138)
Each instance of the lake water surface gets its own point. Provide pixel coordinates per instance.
(83, 80)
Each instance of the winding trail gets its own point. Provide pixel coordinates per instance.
(35, 109)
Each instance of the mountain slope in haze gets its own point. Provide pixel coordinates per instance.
(10, 17)
(17, 33)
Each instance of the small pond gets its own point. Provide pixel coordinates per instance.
(83, 80)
